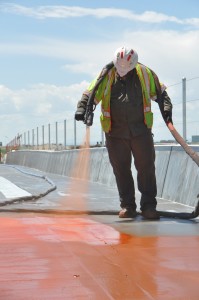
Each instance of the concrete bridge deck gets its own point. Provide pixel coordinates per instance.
(70, 243)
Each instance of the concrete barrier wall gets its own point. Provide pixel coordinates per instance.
(161, 163)
(182, 178)
(177, 175)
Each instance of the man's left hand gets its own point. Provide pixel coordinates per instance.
(168, 116)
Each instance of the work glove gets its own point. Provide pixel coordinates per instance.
(79, 114)
(81, 108)
(168, 116)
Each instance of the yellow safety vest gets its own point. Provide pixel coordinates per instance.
(103, 94)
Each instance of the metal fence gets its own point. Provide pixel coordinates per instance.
(63, 135)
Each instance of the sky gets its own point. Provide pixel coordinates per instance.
(51, 50)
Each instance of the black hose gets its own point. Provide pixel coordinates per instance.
(89, 115)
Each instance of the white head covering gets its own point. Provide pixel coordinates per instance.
(125, 60)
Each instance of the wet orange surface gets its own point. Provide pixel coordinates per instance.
(70, 257)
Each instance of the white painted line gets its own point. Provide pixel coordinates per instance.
(10, 190)
(63, 194)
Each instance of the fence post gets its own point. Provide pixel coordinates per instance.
(49, 137)
(43, 137)
(33, 138)
(184, 108)
(37, 138)
(25, 139)
(28, 139)
(56, 135)
(65, 134)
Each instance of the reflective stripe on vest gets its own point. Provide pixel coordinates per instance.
(106, 113)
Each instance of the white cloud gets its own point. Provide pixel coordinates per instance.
(170, 53)
(159, 48)
(39, 104)
(53, 98)
(85, 67)
(43, 12)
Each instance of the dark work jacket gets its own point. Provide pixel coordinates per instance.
(126, 103)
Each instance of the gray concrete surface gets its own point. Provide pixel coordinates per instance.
(68, 234)
(79, 196)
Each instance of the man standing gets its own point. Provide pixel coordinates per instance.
(125, 94)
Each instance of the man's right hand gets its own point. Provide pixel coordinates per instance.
(81, 108)
(79, 115)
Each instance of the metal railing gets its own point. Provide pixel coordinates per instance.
(63, 135)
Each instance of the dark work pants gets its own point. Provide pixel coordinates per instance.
(120, 154)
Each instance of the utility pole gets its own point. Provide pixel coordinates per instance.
(64, 134)
(184, 121)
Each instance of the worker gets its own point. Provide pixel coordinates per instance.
(125, 94)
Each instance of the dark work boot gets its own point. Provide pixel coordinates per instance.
(127, 212)
(150, 214)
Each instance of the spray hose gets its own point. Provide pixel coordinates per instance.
(89, 114)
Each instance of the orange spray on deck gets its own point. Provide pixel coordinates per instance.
(68, 257)
(76, 200)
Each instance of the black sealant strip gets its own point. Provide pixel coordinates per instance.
(32, 197)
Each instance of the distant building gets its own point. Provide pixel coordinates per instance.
(168, 141)
(195, 138)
